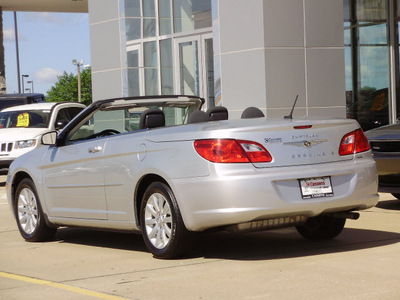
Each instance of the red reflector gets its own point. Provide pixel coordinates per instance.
(232, 151)
(302, 127)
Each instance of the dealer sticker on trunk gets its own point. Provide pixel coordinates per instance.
(316, 187)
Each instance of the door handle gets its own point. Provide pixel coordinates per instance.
(95, 149)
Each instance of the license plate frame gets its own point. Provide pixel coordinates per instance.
(316, 187)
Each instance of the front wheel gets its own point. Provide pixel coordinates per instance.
(29, 214)
(164, 232)
(321, 228)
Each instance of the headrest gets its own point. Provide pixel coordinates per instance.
(197, 116)
(252, 112)
(152, 118)
(217, 113)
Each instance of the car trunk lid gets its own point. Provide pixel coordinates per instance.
(290, 142)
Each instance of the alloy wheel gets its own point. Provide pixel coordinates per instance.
(27, 211)
(158, 220)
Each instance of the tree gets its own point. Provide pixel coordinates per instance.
(66, 88)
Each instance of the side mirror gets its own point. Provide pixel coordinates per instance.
(61, 124)
(49, 138)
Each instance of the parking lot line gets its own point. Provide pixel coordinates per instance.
(60, 286)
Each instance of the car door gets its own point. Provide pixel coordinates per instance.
(73, 180)
(73, 174)
(121, 158)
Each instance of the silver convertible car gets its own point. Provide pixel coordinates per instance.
(162, 167)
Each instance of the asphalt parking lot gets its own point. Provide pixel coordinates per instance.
(362, 263)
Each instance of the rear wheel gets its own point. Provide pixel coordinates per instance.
(164, 232)
(321, 228)
(29, 214)
(397, 196)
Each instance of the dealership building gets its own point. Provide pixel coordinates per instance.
(341, 57)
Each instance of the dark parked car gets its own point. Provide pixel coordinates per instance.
(385, 145)
(9, 100)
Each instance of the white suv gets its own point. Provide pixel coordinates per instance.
(22, 126)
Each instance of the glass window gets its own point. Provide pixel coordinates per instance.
(132, 8)
(149, 28)
(188, 67)
(149, 21)
(149, 8)
(210, 72)
(151, 81)
(133, 82)
(150, 54)
(164, 12)
(133, 73)
(25, 119)
(191, 15)
(133, 59)
(366, 58)
(109, 121)
(167, 74)
(133, 28)
(150, 65)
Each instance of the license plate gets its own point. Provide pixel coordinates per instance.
(316, 187)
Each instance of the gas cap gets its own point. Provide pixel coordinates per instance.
(142, 152)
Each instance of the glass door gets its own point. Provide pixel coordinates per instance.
(194, 70)
(208, 75)
(134, 84)
(188, 68)
(367, 62)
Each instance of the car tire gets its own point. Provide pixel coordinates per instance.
(164, 232)
(321, 228)
(396, 196)
(29, 214)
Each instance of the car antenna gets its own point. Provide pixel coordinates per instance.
(290, 116)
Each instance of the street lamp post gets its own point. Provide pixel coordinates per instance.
(78, 66)
(31, 82)
(17, 51)
(23, 76)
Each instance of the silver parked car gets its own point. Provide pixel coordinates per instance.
(385, 145)
(163, 167)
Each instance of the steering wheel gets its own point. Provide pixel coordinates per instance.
(107, 132)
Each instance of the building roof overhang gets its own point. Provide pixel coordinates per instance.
(75, 6)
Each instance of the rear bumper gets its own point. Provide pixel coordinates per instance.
(234, 194)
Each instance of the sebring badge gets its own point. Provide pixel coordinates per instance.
(306, 144)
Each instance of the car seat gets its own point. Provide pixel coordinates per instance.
(252, 112)
(152, 118)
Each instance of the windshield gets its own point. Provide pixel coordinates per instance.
(25, 119)
(125, 117)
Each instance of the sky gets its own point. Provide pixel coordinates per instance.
(48, 42)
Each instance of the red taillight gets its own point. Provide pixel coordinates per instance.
(255, 151)
(232, 151)
(354, 142)
(362, 143)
